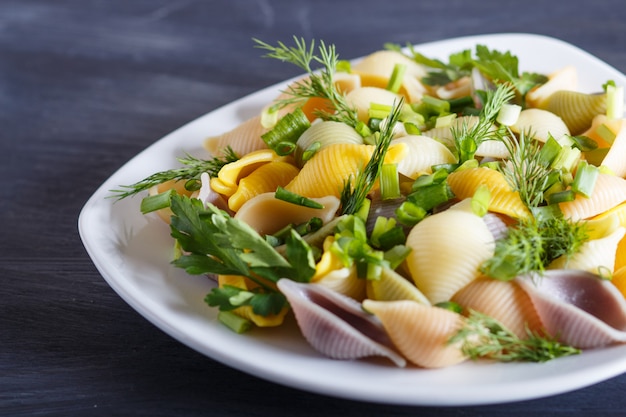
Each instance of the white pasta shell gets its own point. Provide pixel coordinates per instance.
(596, 256)
(422, 153)
(267, 214)
(540, 124)
(361, 98)
(243, 139)
(447, 251)
(344, 281)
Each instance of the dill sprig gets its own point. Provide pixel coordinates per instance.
(353, 194)
(319, 83)
(484, 337)
(532, 244)
(525, 172)
(190, 172)
(468, 138)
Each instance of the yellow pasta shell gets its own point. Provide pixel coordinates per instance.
(264, 179)
(615, 159)
(576, 109)
(504, 199)
(231, 173)
(619, 212)
(505, 301)
(325, 133)
(609, 191)
(421, 333)
(333, 166)
(619, 280)
(392, 287)
(246, 312)
(447, 250)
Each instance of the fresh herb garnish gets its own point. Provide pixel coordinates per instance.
(215, 243)
(354, 193)
(467, 138)
(485, 337)
(532, 244)
(319, 84)
(191, 172)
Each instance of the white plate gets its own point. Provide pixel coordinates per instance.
(132, 252)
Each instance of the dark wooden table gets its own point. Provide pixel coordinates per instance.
(87, 84)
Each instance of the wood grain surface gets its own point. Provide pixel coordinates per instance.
(87, 84)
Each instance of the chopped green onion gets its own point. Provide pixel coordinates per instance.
(436, 105)
(450, 305)
(614, 101)
(311, 150)
(549, 151)
(389, 182)
(293, 198)
(566, 159)
(396, 255)
(543, 213)
(480, 200)
(234, 322)
(392, 237)
(283, 136)
(343, 66)
(561, 197)
(362, 129)
(584, 143)
(379, 111)
(443, 121)
(269, 117)
(461, 104)
(585, 179)
(508, 114)
(596, 156)
(409, 214)
(397, 77)
(156, 202)
(412, 129)
(606, 134)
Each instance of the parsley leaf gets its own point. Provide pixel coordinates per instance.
(215, 243)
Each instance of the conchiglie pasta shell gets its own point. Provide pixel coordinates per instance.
(576, 109)
(325, 133)
(264, 179)
(619, 212)
(344, 281)
(243, 139)
(505, 301)
(445, 134)
(393, 287)
(615, 159)
(609, 191)
(361, 98)
(504, 200)
(596, 256)
(422, 153)
(565, 78)
(231, 173)
(246, 312)
(447, 250)
(421, 333)
(267, 214)
(331, 168)
(376, 69)
(540, 124)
